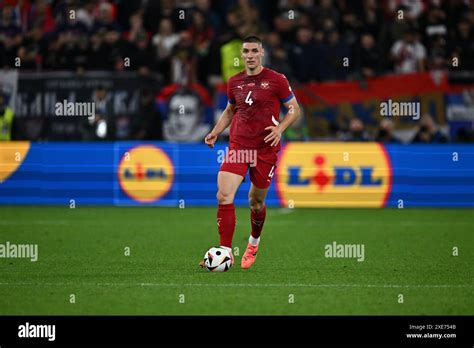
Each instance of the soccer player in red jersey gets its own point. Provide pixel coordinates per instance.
(255, 97)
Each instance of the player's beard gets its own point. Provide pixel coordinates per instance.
(255, 66)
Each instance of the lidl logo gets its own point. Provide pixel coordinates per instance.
(145, 173)
(334, 175)
(12, 155)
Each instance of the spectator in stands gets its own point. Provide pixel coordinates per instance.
(142, 58)
(337, 56)
(212, 18)
(70, 25)
(464, 135)
(302, 56)
(183, 62)
(164, 42)
(276, 56)
(137, 48)
(172, 10)
(102, 126)
(201, 35)
(372, 18)
(326, 10)
(410, 10)
(85, 14)
(437, 58)
(368, 58)
(97, 52)
(356, 131)
(115, 48)
(351, 28)
(393, 30)
(3, 56)
(435, 33)
(126, 10)
(385, 133)
(80, 56)
(148, 123)
(105, 19)
(455, 10)
(50, 59)
(41, 13)
(428, 132)
(462, 45)
(413, 8)
(31, 49)
(470, 14)
(69, 32)
(409, 54)
(249, 17)
(66, 46)
(287, 20)
(135, 27)
(433, 22)
(10, 34)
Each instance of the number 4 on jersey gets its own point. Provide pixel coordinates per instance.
(270, 175)
(249, 100)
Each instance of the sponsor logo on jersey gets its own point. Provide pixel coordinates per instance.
(12, 155)
(334, 175)
(145, 173)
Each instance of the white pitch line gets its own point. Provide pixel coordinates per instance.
(35, 222)
(212, 223)
(229, 285)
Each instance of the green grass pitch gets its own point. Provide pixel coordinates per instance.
(408, 252)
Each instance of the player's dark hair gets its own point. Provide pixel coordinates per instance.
(252, 38)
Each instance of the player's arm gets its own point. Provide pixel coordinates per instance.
(223, 122)
(290, 117)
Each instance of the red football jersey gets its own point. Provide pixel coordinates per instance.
(257, 101)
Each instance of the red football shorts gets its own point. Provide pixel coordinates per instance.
(260, 162)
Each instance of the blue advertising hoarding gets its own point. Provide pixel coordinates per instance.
(170, 174)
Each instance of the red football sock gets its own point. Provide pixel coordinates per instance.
(226, 223)
(257, 220)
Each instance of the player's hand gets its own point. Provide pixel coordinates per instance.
(210, 139)
(274, 136)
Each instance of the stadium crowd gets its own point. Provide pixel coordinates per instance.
(305, 39)
(194, 41)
